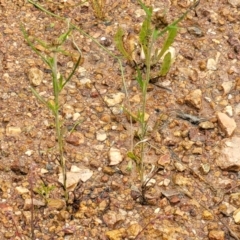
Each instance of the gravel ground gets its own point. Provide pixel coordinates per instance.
(193, 126)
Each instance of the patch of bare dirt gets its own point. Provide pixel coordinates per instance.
(193, 127)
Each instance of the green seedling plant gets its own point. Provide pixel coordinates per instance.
(150, 56)
(58, 82)
(44, 191)
(98, 7)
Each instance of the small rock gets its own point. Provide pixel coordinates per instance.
(170, 193)
(106, 118)
(195, 31)
(179, 166)
(105, 41)
(75, 138)
(63, 215)
(74, 176)
(108, 170)
(133, 230)
(117, 234)
(135, 99)
(216, 235)
(174, 199)
(35, 76)
(196, 136)
(27, 216)
(95, 163)
(9, 235)
(113, 99)
(103, 205)
(19, 169)
(43, 171)
(164, 160)
(234, 3)
(29, 153)
(56, 203)
(229, 111)
(105, 178)
(227, 87)
(5, 207)
(211, 64)
(28, 203)
(181, 181)
(229, 157)
(22, 190)
(227, 124)
(226, 208)
(111, 218)
(237, 109)
(150, 182)
(206, 125)
(197, 150)
(166, 182)
(115, 156)
(13, 131)
(205, 168)
(187, 144)
(84, 81)
(68, 111)
(76, 116)
(236, 216)
(194, 99)
(177, 134)
(202, 65)
(115, 186)
(235, 199)
(99, 147)
(206, 215)
(101, 135)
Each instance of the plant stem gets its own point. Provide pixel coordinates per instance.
(58, 123)
(32, 205)
(144, 96)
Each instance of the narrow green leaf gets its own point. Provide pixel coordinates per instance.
(139, 78)
(26, 37)
(135, 158)
(73, 71)
(50, 61)
(43, 43)
(131, 155)
(175, 22)
(147, 10)
(40, 98)
(118, 38)
(166, 64)
(140, 116)
(144, 33)
(129, 166)
(131, 114)
(172, 32)
(55, 85)
(63, 37)
(155, 34)
(52, 106)
(60, 82)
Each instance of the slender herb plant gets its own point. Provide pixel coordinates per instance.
(59, 82)
(147, 39)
